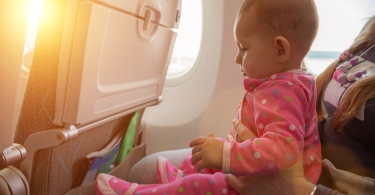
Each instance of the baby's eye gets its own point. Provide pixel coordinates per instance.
(241, 48)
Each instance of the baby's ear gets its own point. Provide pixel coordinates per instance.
(282, 48)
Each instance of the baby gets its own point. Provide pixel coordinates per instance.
(278, 108)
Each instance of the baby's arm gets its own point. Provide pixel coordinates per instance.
(209, 153)
(243, 132)
(280, 122)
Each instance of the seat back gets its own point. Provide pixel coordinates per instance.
(86, 81)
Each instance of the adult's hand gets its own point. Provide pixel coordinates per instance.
(288, 182)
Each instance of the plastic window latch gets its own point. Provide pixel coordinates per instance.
(147, 21)
(151, 18)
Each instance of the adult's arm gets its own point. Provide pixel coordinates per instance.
(248, 185)
(288, 182)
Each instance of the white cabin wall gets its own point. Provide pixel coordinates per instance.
(208, 100)
(222, 108)
(13, 26)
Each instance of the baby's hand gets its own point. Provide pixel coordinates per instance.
(210, 134)
(243, 132)
(207, 153)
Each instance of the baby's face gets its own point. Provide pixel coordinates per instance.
(256, 50)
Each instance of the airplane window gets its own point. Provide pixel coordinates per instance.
(339, 23)
(188, 39)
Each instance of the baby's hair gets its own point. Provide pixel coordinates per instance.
(359, 92)
(296, 20)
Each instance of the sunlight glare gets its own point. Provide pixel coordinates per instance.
(35, 12)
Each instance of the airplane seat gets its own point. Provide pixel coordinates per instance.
(96, 64)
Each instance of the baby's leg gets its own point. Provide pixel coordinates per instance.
(168, 173)
(191, 184)
(144, 172)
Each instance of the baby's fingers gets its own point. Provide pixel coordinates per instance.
(196, 157)
(197, 141)
(200, 166)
